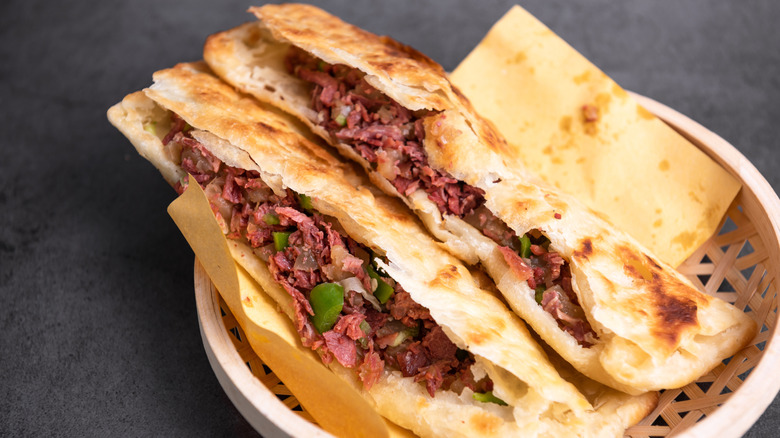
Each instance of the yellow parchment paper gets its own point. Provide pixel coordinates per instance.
(575, 127)
(337, 407)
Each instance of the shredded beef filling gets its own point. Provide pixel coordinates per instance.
(383, 132)
(390, 137)
(368, 336)
(545, 271)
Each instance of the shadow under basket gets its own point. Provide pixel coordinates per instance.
(739, 264)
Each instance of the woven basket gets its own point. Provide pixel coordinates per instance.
(740, 264)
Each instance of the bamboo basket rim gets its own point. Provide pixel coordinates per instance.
(273, 418)
(258, 404)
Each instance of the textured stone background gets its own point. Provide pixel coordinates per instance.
(99, 329)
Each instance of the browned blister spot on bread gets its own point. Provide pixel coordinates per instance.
(209, 95)
(492, 139)
(671, 305)
(485, 330)
(486, 423)
(674, 315)
(252, 37)
(522, 204)
(497, 324)
(301, 32)
(585, 249)
(266, 128)
(448, 276)
(477, 337)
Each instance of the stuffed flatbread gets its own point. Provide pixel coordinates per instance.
(615, 312)
(397, 317)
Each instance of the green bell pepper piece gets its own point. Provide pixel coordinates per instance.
(366, 328)
(281, 239)
(539, 294)
(271, 219)
(488, 397)
(327, 300)
(525, 246)
(383, 290)
(409, 332)
(305, 201)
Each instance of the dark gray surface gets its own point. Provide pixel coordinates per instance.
(99, 329)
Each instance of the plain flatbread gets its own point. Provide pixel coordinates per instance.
(243, 134)
(655, 329)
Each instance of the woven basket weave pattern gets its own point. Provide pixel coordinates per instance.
(731, 266)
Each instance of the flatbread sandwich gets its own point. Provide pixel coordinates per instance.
(398, 318)
(611, 309)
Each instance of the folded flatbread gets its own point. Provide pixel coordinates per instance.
(615, 312)
(434, 353)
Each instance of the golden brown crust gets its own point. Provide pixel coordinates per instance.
(655, 329)
(389, 63)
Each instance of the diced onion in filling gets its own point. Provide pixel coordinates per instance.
(265, 252)
(567, 306)
(173, 151)
(337, 254)
(306, 261)
(259, 194)
(214, 194)
(386, 162)
(352, 283)
(340, 109)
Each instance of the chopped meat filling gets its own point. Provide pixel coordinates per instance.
(367, 336)
(387, 135)
(390, 137)
(545, 271)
